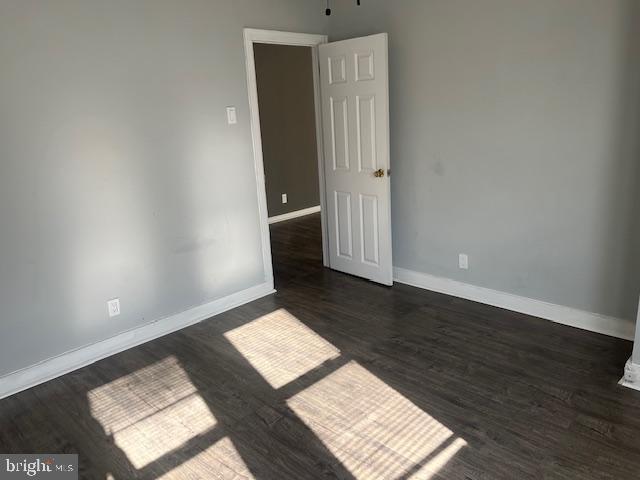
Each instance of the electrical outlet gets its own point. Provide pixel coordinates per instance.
(284, 198)
(463, 261)
(113, 306)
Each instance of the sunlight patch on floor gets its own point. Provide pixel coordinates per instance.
(434, 463)
(151, 412)
(280, 347)
(209, 461)
(373, 430)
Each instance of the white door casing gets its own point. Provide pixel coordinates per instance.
(354, 89)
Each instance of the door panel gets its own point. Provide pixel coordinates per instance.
(369, 232)
(364, 66)
(344, 236)
(355, 119)
(339, 133)
(337, 69)
(366, 130)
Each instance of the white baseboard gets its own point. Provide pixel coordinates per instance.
(631, 377)
(67, 362)
(296, 214)
(615, 327)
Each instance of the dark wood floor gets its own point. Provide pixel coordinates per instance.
(335, 377)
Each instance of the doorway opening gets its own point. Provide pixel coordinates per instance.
(284, 98)
(351, 108)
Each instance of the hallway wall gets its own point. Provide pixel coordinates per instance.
(288, 126)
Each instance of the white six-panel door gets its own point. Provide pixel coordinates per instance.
(354, 89)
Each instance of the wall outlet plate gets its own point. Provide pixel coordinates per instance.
(284, 198)
(463, 261)
(113, 306)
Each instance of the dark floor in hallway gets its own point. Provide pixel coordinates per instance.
(336, 377)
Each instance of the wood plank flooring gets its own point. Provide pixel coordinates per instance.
(336, 377)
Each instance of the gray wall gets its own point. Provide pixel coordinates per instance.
(288, 126)
(514, 139)
(514, 130)
(119, 176)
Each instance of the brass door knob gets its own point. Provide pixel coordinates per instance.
(379, 173)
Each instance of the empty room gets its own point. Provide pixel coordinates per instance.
(319, 239)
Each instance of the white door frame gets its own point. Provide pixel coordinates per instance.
(252, 36)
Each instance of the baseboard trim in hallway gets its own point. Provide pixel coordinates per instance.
(594, 322)
(67, 362)
(296, 214)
